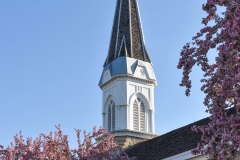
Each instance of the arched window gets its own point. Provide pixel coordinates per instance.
(139, 117)
(111, 116)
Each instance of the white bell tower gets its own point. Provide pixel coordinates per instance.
(128, 79)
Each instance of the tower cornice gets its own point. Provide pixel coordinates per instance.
(131, 68)
(127, 77)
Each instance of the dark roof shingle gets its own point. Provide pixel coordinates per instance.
(169, 144)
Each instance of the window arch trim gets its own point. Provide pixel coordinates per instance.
(142, 97)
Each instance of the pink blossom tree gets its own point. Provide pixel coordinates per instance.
(55, 147)
(221, 81)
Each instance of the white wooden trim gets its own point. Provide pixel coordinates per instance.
(183, 156)
(119, 17)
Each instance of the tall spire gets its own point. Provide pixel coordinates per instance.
(127, 36)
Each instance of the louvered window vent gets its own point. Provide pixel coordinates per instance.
(139, 117)
(111, 116)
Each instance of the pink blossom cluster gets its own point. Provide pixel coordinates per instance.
(221, 81)
(55, 147)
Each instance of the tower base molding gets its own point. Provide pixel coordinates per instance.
(127, 138)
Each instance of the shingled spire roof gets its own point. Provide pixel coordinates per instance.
(127, 36)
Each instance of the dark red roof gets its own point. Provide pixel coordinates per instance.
(169, 144)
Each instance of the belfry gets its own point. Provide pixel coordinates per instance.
(128, 79)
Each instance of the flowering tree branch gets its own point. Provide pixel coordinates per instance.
(55, 147)
(221, 81)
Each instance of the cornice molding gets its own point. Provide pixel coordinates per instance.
(127, 77)
(132, 133)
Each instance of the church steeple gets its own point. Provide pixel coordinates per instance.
(128, 80)
(127, 37)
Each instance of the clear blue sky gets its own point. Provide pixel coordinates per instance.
(51, 58)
